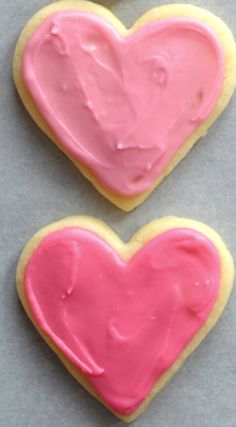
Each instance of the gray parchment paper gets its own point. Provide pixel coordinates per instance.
(39, 185)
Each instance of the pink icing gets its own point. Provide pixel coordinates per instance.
(123, 324)
(123, 106)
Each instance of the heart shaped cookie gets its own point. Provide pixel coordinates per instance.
(125, 105)
(124, 317)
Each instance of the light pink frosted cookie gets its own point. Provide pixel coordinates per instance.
(125, 105)
(123, 317)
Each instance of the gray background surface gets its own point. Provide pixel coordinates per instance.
(39, 185)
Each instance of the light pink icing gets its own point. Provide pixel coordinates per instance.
(123, 324)
(123, 106)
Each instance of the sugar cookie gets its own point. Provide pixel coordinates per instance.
(123, 317)
(124, 105)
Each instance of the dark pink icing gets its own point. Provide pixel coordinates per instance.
(123, 324)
